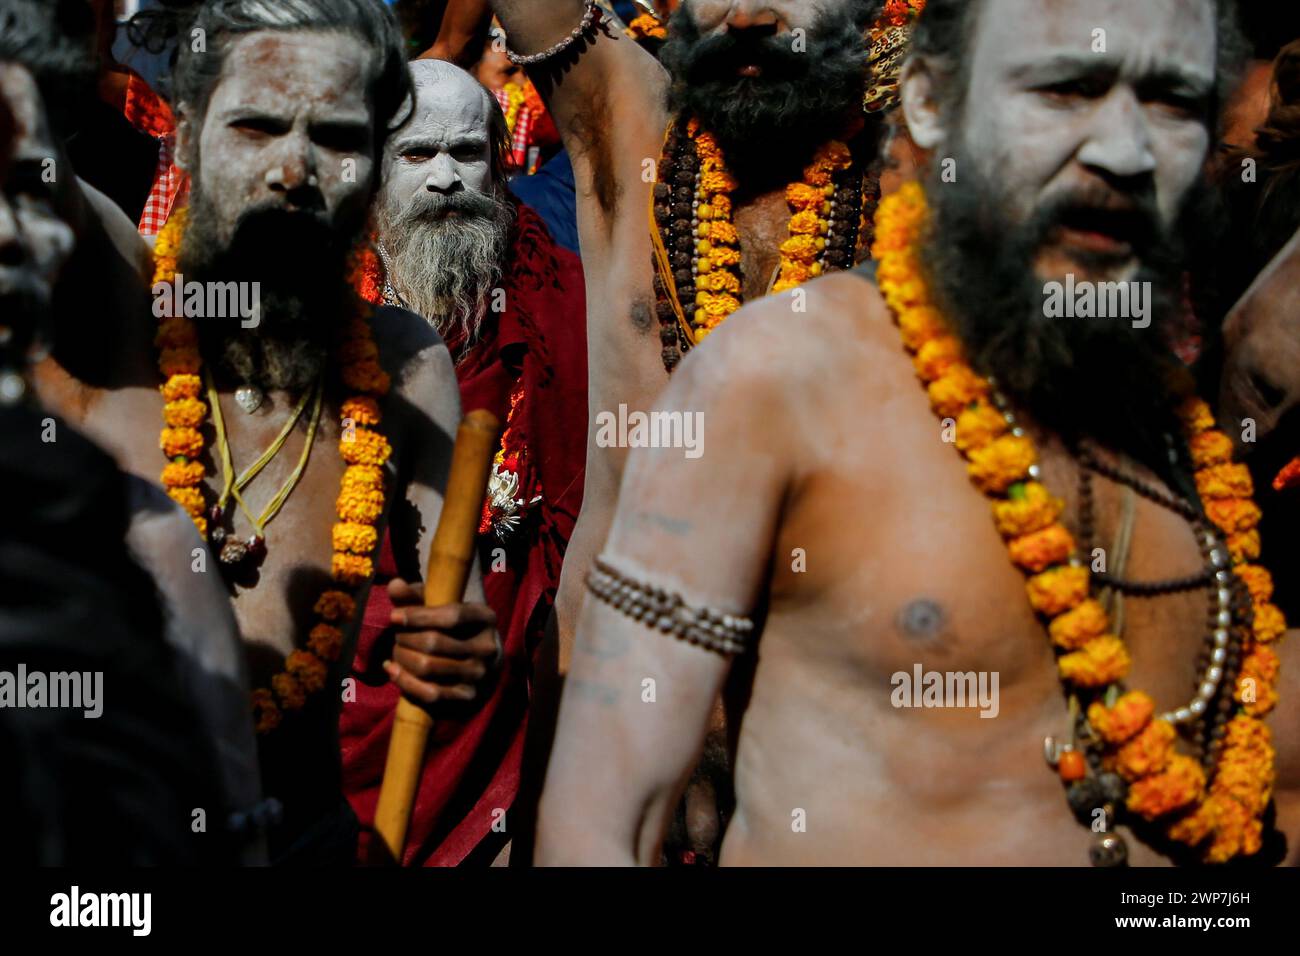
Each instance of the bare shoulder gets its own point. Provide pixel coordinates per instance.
(809, 337)
(415, 356)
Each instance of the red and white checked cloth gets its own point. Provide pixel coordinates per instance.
(520, 136)
(149, 114)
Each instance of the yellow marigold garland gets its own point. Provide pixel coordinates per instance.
(361, 491)
(717, 250)
(1219, 816)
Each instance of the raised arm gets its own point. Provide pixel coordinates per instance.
(605, 93)
(637, 701)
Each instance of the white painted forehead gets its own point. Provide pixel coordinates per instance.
(439, 82)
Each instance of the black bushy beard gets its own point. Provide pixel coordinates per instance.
(301, 261)
(445, 267)
(771, 124)
(1096, 378)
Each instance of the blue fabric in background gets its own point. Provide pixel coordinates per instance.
(551, 192)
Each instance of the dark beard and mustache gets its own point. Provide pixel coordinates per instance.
(301, 262)
(772, 123)
(1081, 378)
(446, 267)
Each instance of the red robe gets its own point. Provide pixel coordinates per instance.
(471, 774)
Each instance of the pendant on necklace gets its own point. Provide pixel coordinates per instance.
(249, 398)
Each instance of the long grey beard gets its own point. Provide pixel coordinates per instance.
(447, 269)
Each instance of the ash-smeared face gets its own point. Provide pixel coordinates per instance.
(443, 218)
(35, 242)
(1089, 123)
(288, 135)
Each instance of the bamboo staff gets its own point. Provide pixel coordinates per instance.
(450, 559)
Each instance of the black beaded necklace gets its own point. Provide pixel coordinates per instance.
(857, 190)
(1230, 614)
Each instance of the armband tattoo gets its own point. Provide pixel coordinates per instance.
(665, 611)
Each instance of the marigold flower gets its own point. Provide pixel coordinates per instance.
(366, 377)
(1001, 463)
(360, 506)
(1233, 824)
(1247, 781)
(201, 523)
(358, 350)
(366, 448)
(1181, 783)
(1233, 515)
(325, 642)
(717, 181)
(1269, 623)
(182, 474)
(1195, 415)
(718, 305)
(719, 281)
(723, 233)
(1210, 448)
(191, 499)
(978, 424)
(1289, 476)
(1131, 713)
(182, 361)
(1194, 827)
(724, 257)
(335, 606)
(267, 713)
(351, 569)
(794, 274)
(363, 478)
(1029, 506)
(1224, 481)
(1257, 580)
(181, 386)
(801, 248)
(288, 691)
(805, 223)
(1071, 630)
(1057, 590)
(176, 332)
(182, 442)
(1148, 752)
(185, 413)
(363, 410)
(355, 537)
(801, 196)
(309, 670)
(1256, 684)
(936, 357)
(1101, 661)
(956, 389)
(1041, 549)
(1244, 546)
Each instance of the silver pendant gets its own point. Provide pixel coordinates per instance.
(249, 398)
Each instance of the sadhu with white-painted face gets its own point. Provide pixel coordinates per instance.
(295, 440)
(1049, 503)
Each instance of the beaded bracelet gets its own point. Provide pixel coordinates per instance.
(590, 15)
(667, 612)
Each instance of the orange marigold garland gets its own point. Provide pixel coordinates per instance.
(697, 246)
(360, 504)
(1220, 816)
